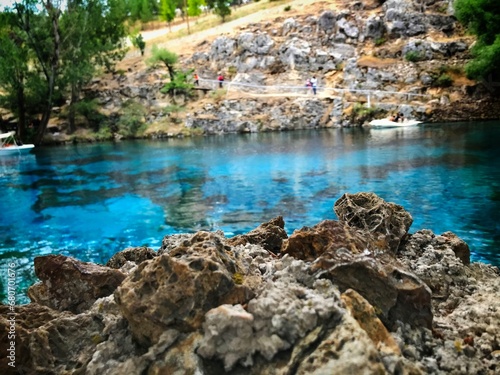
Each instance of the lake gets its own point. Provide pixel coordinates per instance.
(91, 200)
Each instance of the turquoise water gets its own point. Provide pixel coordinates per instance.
(90, 201)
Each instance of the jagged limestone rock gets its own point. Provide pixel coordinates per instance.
(269, 235)
(69, 284)
(136, 255)
(385, 221)
(177, 288)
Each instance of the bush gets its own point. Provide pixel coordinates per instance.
(359, 110)
(232, 71)
(444, 80)
(89, 109)
(132, 119)
(287, 8)
(379, 41)
(361, 114)
(179, 85)
(414, 56)
(481, 17)
(139, 42)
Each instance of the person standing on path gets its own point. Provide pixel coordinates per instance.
(314, 84)
(196, 79)
(221, 80)
(308, 85)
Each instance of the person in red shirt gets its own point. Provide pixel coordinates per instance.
(221, 80)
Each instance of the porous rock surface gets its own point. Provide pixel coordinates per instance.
(68, 284)
(211, 305)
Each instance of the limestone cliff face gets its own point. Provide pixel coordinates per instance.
(402, 55)
(390, 56)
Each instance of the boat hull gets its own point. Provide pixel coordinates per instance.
(385, 123)
(16, 150)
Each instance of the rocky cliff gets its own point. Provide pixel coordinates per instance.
(356, 296)
(371, 57)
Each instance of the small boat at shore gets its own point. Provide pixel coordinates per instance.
(9, 146)
(386, 123)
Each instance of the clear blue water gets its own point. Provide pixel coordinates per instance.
(90, 201)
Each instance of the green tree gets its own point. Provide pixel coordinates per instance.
(14, 70)
(167, 11)
(143, 10)
(162, 55)
(481, 17)
(139, 42)
(222, 9)
(194, 7)
(43, 37)
(58, 47)
(180, 84)
(90, 34)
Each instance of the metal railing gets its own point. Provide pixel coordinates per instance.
(323, 91)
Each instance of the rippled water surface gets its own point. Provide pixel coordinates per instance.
(90, 201)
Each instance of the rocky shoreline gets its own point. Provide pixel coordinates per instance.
(372, 58)
(355, 296)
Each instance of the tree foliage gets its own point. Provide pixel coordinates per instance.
(220, 7)
(49, 49)
(180, 84)
(162, 55)
(167, 10)
(142, 10)
(194, 9)
(481, 17)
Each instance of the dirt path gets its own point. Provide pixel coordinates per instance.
(187, 45)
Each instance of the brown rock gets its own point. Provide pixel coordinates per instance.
(395, 293)
(50, 342)
(136, 255)
(68, 284)
(346, 349)
(308, 243)
(269, 235)
(365, 315)
(176, 289)
(459, 247)
(384, 221)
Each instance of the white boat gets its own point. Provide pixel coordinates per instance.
(386, 123)
(9, 146)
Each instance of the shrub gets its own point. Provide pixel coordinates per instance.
(413, 56)
(139, 42)
(89, 109)
(287, 8)
(232, 71)
(444, 80)
(132, 119)
(379, 41)
(179, 85)
(360, 110)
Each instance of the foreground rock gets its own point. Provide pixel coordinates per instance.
(335, 298)
(68, 284)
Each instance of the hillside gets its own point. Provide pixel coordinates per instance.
(370, 57)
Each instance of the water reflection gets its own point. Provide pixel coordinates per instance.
(90, 201)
